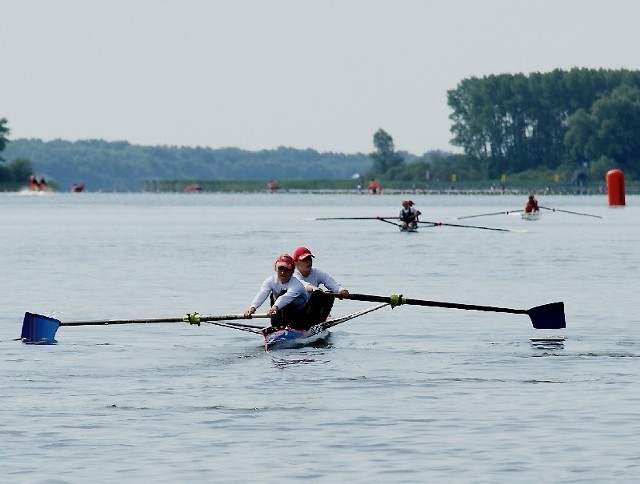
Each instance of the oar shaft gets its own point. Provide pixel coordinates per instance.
(472, 307)
(122, 321)
(353, 218)
(421, 302)
(569, 211)
(390, 222)
(464, 226)
(547, 316)
(507, 212)
(203, 318)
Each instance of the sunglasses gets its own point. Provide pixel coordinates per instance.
(284, 269)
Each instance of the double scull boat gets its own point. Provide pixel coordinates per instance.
(39, 329)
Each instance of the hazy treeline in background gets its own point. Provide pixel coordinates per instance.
(561, 130)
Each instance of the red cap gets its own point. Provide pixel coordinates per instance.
(301, 253)
(284, 260)
(407, 202)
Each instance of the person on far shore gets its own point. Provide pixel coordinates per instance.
(33, 183)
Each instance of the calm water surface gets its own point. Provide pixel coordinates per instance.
(412, 394)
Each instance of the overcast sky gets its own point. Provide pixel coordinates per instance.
(258, 74)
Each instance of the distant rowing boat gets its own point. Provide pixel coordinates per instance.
(531, 216)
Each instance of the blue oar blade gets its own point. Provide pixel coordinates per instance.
(38, 329)
(548, 316)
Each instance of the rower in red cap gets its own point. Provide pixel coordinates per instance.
(320, 302)
(311, 277)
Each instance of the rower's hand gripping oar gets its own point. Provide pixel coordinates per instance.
(547, 316)
(39, 329)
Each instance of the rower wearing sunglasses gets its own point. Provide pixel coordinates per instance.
(287, 294)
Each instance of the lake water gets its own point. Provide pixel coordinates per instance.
(413, 394)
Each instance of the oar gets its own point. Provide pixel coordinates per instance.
(389, 222)
(547, 316)
(40, 329)
(569, 211)
(435, 224)
(353, 218)
(382, 219)
(488, 214)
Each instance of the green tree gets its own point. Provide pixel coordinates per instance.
(608, 131)
(385, 158)
(581, 135)
(15, 174)
(20, 169)
(514, 123)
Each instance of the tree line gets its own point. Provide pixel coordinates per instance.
(560, 120)
(121, 166)
(566, 126)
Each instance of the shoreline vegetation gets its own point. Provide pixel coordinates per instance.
(330, 187)
(352, 186)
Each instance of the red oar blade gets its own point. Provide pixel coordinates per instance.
(548, 316)
(38, 329)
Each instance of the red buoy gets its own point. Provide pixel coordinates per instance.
(615, 187)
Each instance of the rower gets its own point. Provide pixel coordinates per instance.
(409, 215)
(532, 205)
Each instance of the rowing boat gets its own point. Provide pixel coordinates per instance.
(38, 329)
(408, 230)
(280, 338)
(531, 216)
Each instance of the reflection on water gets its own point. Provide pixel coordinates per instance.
(548, 343)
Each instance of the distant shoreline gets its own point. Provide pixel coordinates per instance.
(396, 192)
(388, 187)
